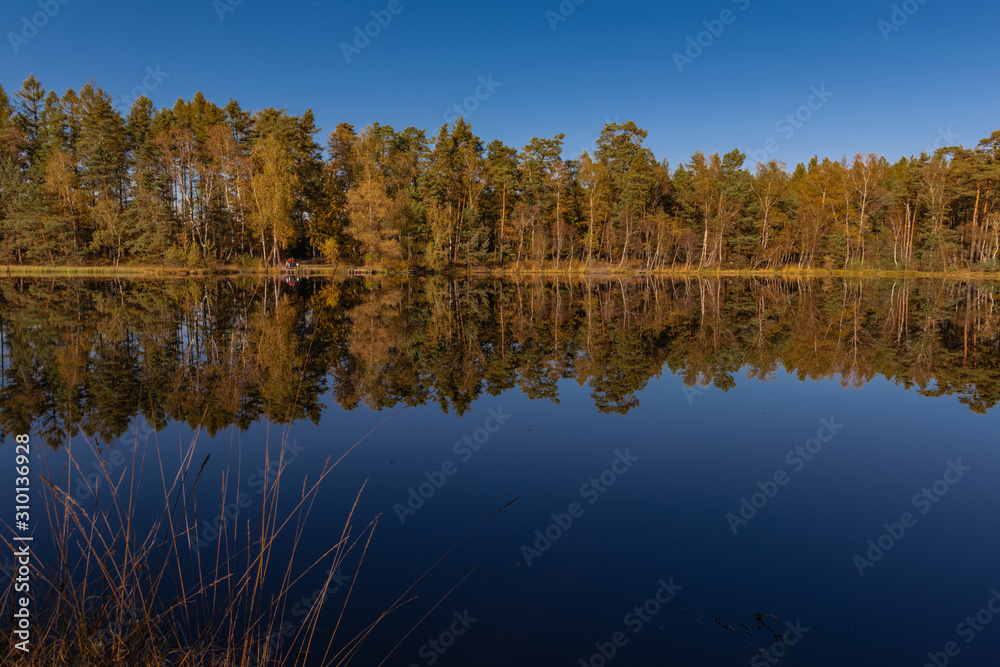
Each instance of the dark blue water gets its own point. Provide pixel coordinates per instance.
(860, 520)
(657, 522)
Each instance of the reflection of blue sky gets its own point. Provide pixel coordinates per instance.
(663, 518)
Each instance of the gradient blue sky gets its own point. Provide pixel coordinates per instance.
(938, 74)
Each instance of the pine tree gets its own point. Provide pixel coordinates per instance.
(327, 233)
(101, 150)
(30, 103)
(503, 175)
(149, 191)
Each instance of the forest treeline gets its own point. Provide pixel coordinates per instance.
(201, 184)
(88, 356)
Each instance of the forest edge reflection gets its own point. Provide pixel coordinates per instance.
(89, 355)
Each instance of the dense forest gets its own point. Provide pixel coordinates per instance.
(91, 355)
(204, 185)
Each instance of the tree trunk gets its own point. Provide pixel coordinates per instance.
(975, 223)
(503, 219)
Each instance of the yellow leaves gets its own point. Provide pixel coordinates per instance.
(273, 183)
(61, 181)
(71, 359)
(330, 295)
(369, 208)
(330, 248)
(441, 224)
(278, 356)
(378, 334)
(368, 204)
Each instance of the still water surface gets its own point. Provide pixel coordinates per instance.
(681, 455)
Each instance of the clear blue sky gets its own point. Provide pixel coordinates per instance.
(606, 61)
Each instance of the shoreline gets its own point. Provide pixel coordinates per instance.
(344, 271)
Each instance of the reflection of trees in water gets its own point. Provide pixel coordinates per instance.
(89, 355)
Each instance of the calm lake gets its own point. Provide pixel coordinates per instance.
(603, 472)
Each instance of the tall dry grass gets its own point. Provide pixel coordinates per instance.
(121, 592)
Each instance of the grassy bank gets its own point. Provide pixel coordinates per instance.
(750, 273)
(23, 271)
(575, 271)
(18, 271)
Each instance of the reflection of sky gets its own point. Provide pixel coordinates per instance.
(664, 517)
